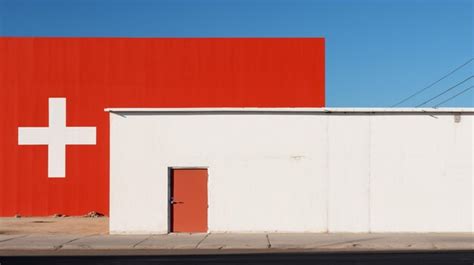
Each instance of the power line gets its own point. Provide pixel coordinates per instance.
(432, 84)
(458, 94)
(446, 91)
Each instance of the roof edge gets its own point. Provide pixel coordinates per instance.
(295, 110)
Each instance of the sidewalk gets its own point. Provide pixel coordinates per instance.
(89, 242)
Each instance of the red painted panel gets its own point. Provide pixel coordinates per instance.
(189, 193)
(95, 73)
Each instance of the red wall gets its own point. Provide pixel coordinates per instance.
(95, 73)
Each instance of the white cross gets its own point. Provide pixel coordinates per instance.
(56, 136)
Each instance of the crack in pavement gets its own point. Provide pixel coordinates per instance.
(72, 240)
(350, 241)
(8, 239)
(268, 241)
(141, 241)
(62, 245)
(199, 243)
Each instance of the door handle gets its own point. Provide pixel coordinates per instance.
(175, 202)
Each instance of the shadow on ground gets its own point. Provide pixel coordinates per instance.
(450, 257)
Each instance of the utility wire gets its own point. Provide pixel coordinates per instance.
(458, 94)
(432, 84)
(446, 91)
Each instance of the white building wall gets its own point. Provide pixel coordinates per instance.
(349, 171)
(297, 172)
(421, 173)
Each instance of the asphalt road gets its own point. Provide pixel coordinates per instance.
(418, 258)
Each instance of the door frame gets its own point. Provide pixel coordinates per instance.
(170, 190)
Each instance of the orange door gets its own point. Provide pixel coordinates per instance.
(189, 200)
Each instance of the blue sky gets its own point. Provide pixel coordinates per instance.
(377, 51)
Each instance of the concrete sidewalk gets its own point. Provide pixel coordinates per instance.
(230, 243)
(79, 235)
